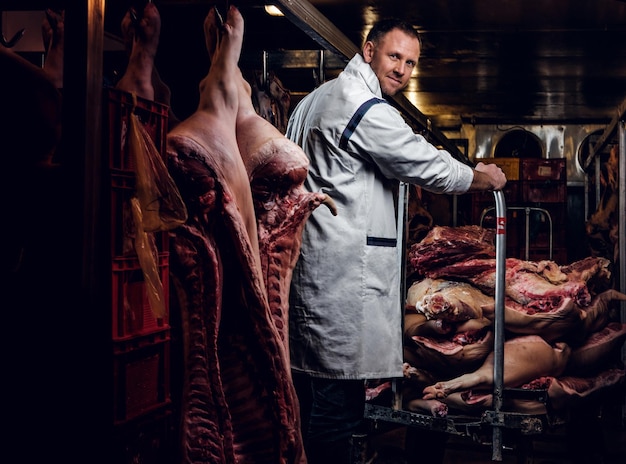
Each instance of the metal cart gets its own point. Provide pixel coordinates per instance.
(496, 419)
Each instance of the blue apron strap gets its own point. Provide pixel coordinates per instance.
(354, 121)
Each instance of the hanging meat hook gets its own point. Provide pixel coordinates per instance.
(219, 17)
(137, 6)
(134, 17)
(15, 39)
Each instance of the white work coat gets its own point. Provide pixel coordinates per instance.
(345, 304)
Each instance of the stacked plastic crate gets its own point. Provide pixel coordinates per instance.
(544, 186)
(483, 204)
(141, 341)
(536, 200)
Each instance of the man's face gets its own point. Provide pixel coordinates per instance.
(393, 60)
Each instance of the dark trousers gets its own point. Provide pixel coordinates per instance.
(331, 413)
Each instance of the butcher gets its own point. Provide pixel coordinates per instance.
(345, 309)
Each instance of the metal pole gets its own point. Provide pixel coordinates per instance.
(264, 71)
(621, 229)
(621, 218)
(598, 175)
(527, 232)
(402, 217)
(498, 363)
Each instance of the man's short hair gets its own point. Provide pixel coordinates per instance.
(384, 26)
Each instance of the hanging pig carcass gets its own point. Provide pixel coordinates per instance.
(231, 262)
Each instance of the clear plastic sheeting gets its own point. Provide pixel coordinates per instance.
(156, 207)
(147, 253)
(160, 201)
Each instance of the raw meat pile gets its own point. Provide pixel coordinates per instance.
(562, 330)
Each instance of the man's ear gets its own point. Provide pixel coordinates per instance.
(368, 51)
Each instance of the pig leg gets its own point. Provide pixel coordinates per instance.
(481, 378)
(277, 169)
(214, 122)
(142, 36)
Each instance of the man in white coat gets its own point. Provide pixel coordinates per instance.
(345, 312)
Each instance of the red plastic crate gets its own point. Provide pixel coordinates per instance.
(132, 314)
(141, 373)
(122, 222)
(559, 255)
(153, 116)
(544, 191)
(511, 193)
(533, 169)
(510, 166)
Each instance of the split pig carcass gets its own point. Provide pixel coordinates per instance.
(242, 181)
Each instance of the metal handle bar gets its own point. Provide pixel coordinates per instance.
(498, 361)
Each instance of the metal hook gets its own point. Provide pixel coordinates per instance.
(15, 39)
(134, 18)
(220, 20)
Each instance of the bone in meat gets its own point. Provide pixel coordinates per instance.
(453, 354)
(528, 283)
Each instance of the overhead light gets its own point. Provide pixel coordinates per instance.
(273, 10)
